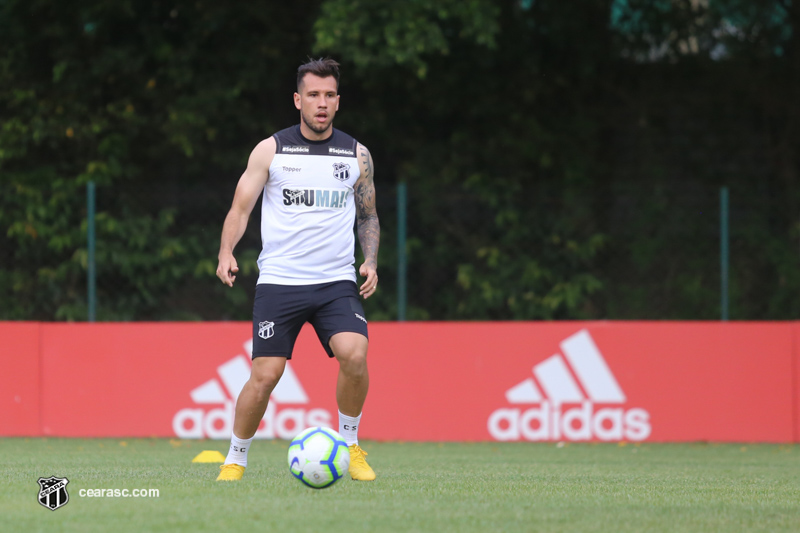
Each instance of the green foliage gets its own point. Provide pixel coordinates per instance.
(667, 29)
(494, 235)
(145, 100)
(387, 33)
(560, 164)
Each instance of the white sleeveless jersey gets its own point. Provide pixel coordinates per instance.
(308, 210)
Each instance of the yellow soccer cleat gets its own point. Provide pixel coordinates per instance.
(359, 469)
(231, 472)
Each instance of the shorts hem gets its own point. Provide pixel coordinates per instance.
(327, 345)
(271, 354)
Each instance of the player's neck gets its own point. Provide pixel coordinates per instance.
(312, 135)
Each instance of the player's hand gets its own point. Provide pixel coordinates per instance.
(227, 269)
(369, 271)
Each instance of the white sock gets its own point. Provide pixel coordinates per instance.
(237, 454)
(348, 428)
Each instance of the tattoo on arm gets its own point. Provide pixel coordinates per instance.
(369, 230)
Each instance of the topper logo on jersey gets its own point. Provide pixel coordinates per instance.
(341, 171)
(319, 198)
(584, 404)
(215, 418)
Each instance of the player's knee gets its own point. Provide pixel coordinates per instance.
(349, 347)
(266, 375)
(353, 360)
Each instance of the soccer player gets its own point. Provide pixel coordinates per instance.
(316, 181)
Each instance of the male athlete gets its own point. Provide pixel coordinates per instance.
(316, 180)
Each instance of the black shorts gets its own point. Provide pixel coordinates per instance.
(279, 312)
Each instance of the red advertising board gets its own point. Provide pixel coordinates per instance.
(796, 383)
(103, 380)
(520, 381)
(19, 381)
(583, 381)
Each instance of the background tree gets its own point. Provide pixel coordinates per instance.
(560, 164)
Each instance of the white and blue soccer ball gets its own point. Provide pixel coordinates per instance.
(318, 457)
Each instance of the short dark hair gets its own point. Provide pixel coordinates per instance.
(319, 67)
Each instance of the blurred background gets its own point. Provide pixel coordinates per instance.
(559, 160)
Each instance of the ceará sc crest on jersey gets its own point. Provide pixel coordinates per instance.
(341, 171)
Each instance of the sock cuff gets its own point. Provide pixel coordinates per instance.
(351, 419)
(237, 440)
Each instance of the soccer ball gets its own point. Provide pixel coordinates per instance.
(318, 457)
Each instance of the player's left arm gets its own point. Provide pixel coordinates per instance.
(369, 229)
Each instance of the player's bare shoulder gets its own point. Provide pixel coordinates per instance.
(255, 176)
(263, 154)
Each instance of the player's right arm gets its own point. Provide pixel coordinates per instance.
(247, 191)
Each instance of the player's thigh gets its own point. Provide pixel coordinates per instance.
(349, 347)
(279, 313)
(340, 311)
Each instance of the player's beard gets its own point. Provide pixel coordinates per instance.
(315, 127)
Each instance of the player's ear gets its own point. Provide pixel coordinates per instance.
(297, 101)
(337, 102)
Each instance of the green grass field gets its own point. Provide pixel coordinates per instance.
(420, 487)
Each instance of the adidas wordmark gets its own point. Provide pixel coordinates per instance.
(565, 404)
